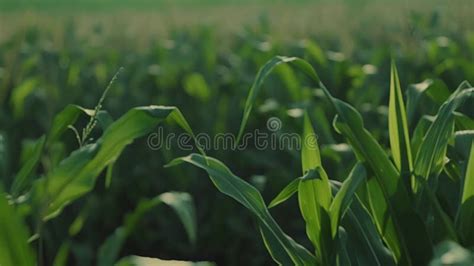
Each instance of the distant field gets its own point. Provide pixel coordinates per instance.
(91, 5)
(138, 22)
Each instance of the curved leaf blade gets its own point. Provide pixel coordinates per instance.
(398, 128)
(363, 239)
(413, 250)
(76, 175)
(314, 195)
(247, 195)
(466, 212)
(286, 193)
(344, 196)
(22, 179)
(180, 202)
(14, 249)
(430, 156)
(259, 80)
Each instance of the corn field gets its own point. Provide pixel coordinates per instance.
(203, 148)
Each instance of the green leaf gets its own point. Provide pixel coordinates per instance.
(76, 175)
(286, 193)
(109, 174)
(462, 142)
(436, 91)
(19, 95)
(80, 219)
(276, 240)
(180, 202)
(274, 247)
(364, 243)
(14, 249)
(379, 208)
(398, 127)
(400, 144)
(420, 132)
(463, 122)
(343, 257)
(430, 156)
(314, 195)
(444, 227)
(344, 196)
(62, 120)
(466, 212)
(310, 156)
(183, 205)
(290, 81)
(388, 192)
(413, 248)
(257, 84)
(315, 52)
(290, 189)
(22, 179)
(104, 119)
(196, 86)
(144, 261)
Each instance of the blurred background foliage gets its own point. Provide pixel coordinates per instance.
(203, 57)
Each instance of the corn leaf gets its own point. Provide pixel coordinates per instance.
(409, 236)
(430, 156)
(420, 132)
(14, 249)
(466, 212)
(343, 257)
(366, 247)
(398, 127)
(463, 122)
(282, 248)
(435, 90)
(62, 255)
(63, 119)
(180, 202)
(22, 179)
(286, 193)
(462, 142)
(314, 195)
(76, 175)
(20, 94)
(344, 196)
(256, 86)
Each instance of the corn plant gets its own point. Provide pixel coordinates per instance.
(397, 189)
(40, 199)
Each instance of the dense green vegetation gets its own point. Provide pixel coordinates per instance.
(388, 180)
